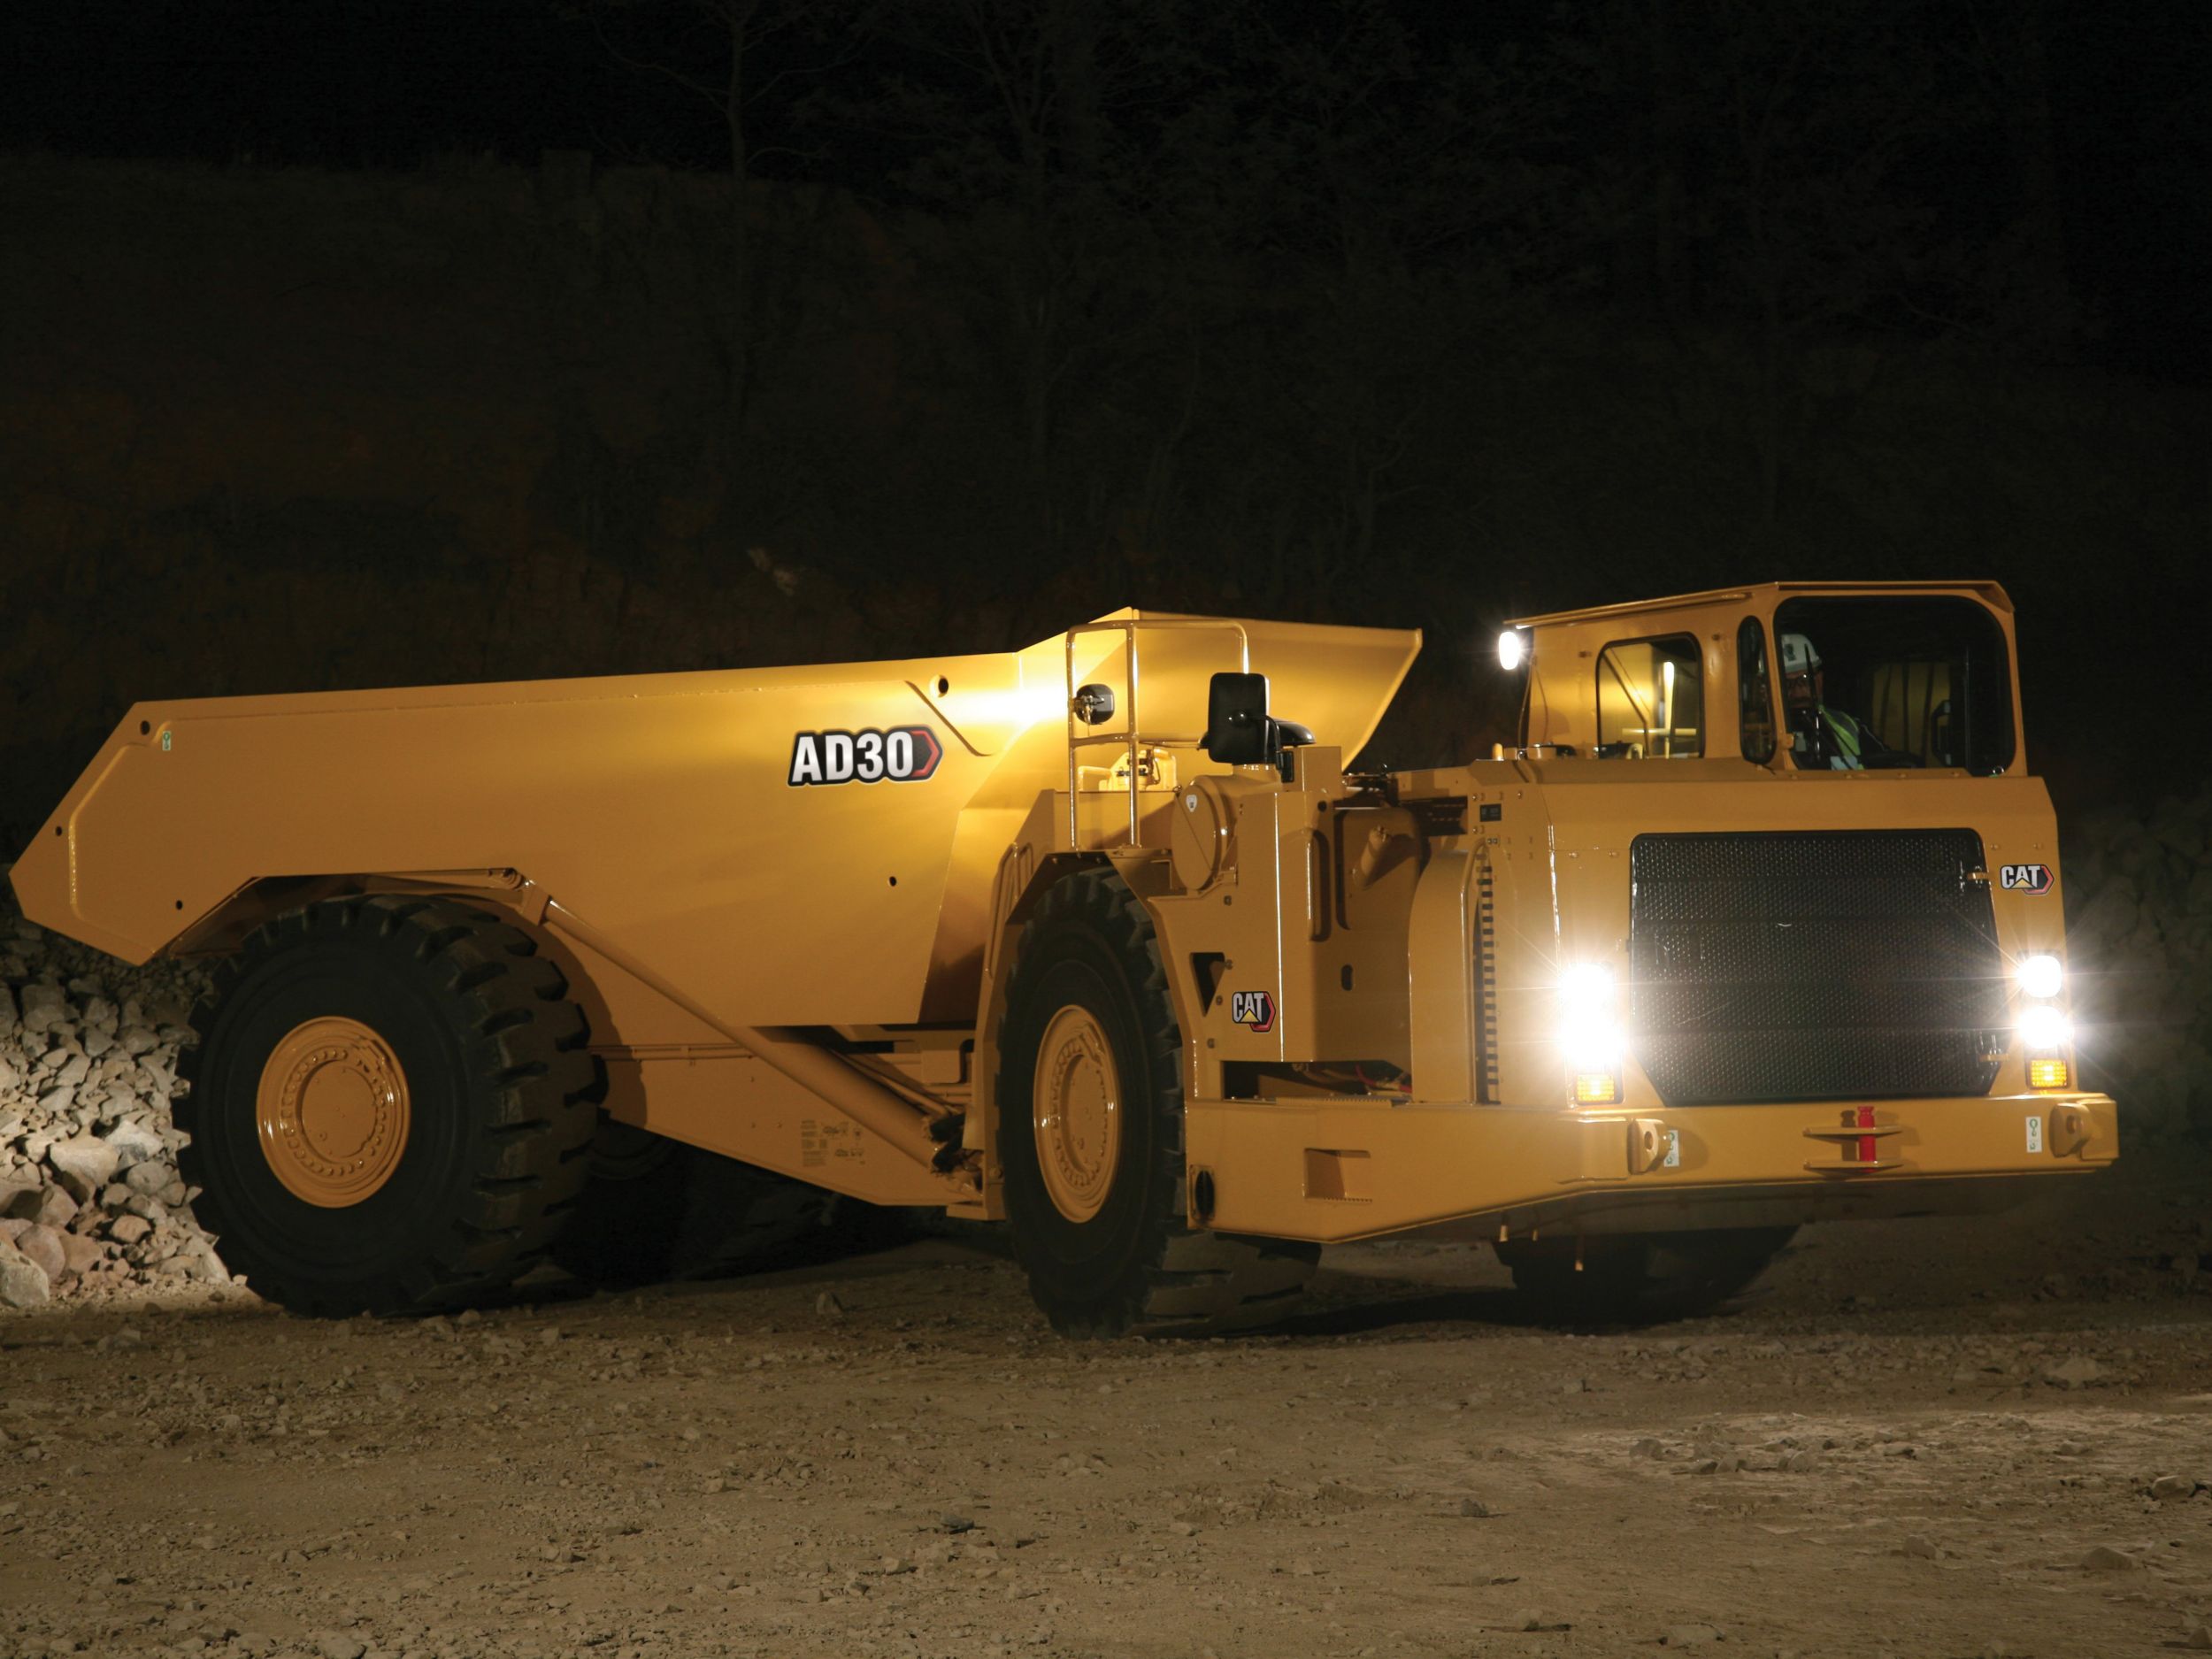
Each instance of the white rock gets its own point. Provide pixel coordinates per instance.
(148, 1177)
(88, 1158)
(81, 1253)
(23, 1284)
(52, 1207)
(134, 1143)
(44, 1007)
(201, 1261)
(42, 1246)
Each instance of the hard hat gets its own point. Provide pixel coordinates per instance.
(1798, 656)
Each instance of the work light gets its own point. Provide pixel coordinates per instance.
(1512, 649)
(2039, 975)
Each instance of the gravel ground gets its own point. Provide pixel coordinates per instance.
(1969, 1436)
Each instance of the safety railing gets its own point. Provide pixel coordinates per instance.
(1133, 737)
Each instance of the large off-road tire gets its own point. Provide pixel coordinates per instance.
(391, 1106)
(1090, 1136)
(657, 1210)
(1640, 1278)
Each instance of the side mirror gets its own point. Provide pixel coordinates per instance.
(1236, 721)
(1094, 705)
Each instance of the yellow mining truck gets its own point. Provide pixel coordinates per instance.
(1757, 922)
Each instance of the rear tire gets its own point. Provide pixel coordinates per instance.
(1097, 1209)
(446, 1015)
(1640, 1278)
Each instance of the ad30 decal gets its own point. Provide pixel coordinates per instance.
(906, 754)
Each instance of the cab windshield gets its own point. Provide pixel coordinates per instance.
(1893, 681)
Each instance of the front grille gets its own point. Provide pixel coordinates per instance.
(1828, 964)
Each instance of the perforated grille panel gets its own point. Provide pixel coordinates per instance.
(1831, 964)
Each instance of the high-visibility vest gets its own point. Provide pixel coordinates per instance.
(1848, 741)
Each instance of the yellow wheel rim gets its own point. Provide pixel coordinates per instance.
(333, 1112)
(1078, 1113)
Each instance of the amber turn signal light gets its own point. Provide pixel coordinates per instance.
(1596, 1088)
(2049, 1073)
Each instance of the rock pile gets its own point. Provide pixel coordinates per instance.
(89, 1194)
(2139, 937)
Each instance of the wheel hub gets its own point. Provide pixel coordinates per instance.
(1076, 1108)
(333, 1112)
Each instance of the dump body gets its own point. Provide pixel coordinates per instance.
(661, 809)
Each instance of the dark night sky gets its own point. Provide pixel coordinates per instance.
(392, 83)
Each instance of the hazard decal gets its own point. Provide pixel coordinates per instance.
(906, 754)
(2025, 878)
(1254, 1010)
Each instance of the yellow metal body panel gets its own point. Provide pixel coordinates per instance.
(1526, 1169)
(656, 808)
(729, 1101)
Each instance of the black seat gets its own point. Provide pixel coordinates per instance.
(1240, 732)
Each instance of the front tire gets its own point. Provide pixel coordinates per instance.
(1090, 1136)
(391, 1103)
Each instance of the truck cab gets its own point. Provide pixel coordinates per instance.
(1759, 921)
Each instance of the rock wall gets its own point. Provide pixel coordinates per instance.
(89, 1194)
(2138, 919)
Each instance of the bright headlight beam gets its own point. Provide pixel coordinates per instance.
(1585, 986)
(1512, 649)
(1588, 1028)
(2044, 1029)
(2040, 975)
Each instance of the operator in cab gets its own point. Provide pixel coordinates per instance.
(1820, 736)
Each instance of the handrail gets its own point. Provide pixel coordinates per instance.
(1131, 737)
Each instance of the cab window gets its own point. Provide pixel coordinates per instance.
(1651, 703)
(1894, 680)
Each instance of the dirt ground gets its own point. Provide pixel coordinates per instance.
(1934, 1438)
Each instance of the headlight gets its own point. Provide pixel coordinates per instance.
(1589, 1026)
(2040, 976)
(1512, 649)
(2044, 1029)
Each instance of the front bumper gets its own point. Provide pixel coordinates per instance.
(1331, 1170)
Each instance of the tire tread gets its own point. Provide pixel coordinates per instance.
(540, 1095)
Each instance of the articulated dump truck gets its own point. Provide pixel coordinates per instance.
(1757, 923)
